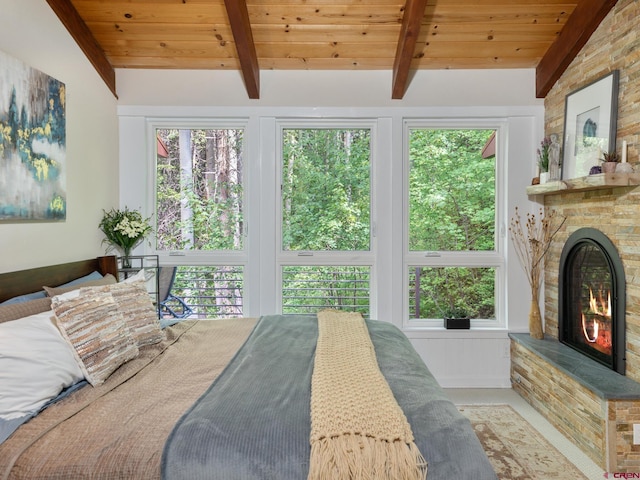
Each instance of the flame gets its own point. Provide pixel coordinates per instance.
(598, 308)
(584, 330)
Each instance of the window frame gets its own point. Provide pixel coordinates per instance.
(473, 259)
(365, 258)
(199, 257)
(389, 279)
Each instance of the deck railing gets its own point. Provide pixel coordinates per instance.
(217, 292)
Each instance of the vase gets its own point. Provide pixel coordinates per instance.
(609, 167)
(535, 320)
(544, 177)
(126, 257)
(624, 168)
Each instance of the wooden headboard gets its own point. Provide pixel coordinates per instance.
(17, 283)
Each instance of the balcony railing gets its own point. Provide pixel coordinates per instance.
(211, 292)
(217, 292)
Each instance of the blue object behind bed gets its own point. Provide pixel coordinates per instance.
(42, 294)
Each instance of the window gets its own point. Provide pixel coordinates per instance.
(200, 214)
(310, 289)
(325, 214)
(395, 218)
(326, 189)
(199, 192)
(453, 260)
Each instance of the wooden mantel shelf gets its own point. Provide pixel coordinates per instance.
(591, 182)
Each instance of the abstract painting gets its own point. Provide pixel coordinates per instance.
(32, 144)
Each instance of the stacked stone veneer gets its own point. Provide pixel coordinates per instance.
(601, 428)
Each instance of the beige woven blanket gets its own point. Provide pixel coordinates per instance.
(358, 430)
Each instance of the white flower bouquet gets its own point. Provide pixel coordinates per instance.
(124, 229)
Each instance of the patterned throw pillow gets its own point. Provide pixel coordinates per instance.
(135, 305)
(90, 321)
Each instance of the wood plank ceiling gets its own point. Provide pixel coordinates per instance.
(397, 35)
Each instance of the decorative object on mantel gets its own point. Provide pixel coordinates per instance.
(554, 158)
(532, 241)
(590, 123)
(543, 160)
(609, 162)
(623, 166)
(595, 170)
(125, 230)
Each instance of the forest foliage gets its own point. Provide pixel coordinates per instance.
(326, 206)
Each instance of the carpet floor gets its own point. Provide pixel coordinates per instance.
(515, 448)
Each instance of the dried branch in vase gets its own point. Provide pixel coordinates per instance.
(532, 240)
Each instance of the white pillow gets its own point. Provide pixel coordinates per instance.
(36, 364)
(140, 275)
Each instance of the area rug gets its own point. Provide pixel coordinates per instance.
(515, 448)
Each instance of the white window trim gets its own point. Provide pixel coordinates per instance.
(322, 258)
(525, 128)
(493, 259)
(197, 257)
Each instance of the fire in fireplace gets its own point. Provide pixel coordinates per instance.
(592, 298)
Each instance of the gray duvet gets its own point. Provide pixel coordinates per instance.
(253, 423)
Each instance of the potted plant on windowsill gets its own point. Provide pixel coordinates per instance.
(457, 318)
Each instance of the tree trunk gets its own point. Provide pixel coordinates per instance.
(186, 184)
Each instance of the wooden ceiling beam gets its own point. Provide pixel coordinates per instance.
(584, 20)
(80, 32)
(246, 48)
(411, 23)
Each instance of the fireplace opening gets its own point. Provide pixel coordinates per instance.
(592, 298)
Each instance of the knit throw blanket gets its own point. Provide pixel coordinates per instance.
(358, 430)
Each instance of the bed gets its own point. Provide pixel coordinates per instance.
(214, 399)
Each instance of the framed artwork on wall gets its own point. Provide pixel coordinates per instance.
(32, 144)
(590, 123)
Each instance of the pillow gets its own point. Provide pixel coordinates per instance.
(135, 305)
(95, 275)
(90, 321)
(42, 294)
(14, 311)
(36, 364)
(25, 298)
(108, 279)
(140, 275)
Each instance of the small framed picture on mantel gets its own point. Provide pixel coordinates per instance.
(590, 124)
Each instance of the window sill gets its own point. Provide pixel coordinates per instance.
(441, 332)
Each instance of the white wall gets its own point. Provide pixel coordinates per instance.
(292, 88)
(32, 33)
(457, 359)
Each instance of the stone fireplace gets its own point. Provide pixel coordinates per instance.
(592, 405)
(594, 402)
(591, 295)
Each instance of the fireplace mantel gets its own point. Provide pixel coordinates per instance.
(590, 182)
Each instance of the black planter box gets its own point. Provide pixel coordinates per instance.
(457, 323)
